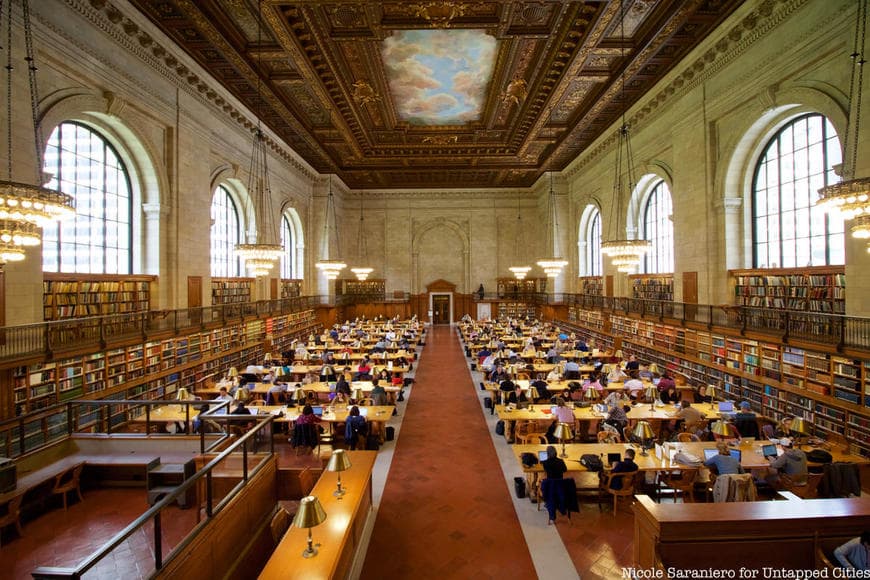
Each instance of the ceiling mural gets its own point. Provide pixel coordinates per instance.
(447, 94)
(439, 77)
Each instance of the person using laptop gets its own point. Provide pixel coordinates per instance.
(746, 421)
(562, 414)
(792, 463)
(627, 465)
(692, 418)
(701, 395)
(723, 462)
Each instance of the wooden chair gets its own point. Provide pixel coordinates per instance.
(682, 481)
(687, 437)
(807, 491)
(68, 481)
(609, 437)
(307, 479)
(366, 402)
(13, 514)
(279, 524)
(532, 439)
(626, 489)
(257, 403)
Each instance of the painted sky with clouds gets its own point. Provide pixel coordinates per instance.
(439, 77)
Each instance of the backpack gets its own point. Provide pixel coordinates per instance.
(819, 456)
(591, 462)
(528, 459)
(499, 428)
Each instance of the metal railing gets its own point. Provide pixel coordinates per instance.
(149, 527)
(834, 330)
(51, 338)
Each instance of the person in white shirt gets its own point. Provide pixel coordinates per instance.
(223, 396)
(633, 386)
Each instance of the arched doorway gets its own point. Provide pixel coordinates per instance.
(440, 293)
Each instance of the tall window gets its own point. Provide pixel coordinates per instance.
(787, 230)
(100, 238)
(224, 235)
(659, 229)
(593, 244)
(288, 240)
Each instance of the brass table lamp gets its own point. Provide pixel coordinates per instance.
(310, 514)
(339, 462)
(563, 432)
(644, 434)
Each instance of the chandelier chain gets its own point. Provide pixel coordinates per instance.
(30, 58)
(855, 92)
(9, 69)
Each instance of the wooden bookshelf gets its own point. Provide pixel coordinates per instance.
(516, 310)
(592, 285)
(374, 287)
(158, 368)
(67, 296)
(830, 391)
(818, 289)
(291, 288)
(508, 287)
(231, 290)
(652, 286)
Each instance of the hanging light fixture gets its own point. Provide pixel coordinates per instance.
(851, 197)
(362, 272)
(519, 272)
(552, 265)
(260, 257)
(626, 254)
(330, 267)
(24, 208)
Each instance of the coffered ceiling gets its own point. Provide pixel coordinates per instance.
(437, 94)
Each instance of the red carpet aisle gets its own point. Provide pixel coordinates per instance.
(445, 512)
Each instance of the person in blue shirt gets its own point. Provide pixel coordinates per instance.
(855, 554)
(724, 463)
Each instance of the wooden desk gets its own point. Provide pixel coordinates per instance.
(738, 535)
(338, 537)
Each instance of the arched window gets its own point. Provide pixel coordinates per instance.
(100, 238)
(288, 240)
(224, 235)
(659, 229)
(787, 230)
(593, 244)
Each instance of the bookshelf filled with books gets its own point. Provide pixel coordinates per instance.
(67, 296)
(230, 290)
(375, 287)
(652, 286)
(291, 288)
(592, 285)
(831, 391)
(816, 289)
(154, 369)
(508, 287)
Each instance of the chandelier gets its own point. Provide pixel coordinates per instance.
(260, 257)
(625, 254)
(519, 272)
(24, 208)
(362, 272)
(851, 197)
(330, 267)
(552, 265)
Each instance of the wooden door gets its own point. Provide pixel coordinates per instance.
(441, 309)
(690, 294)
(194, 291)
(273, 293)
(608, 286)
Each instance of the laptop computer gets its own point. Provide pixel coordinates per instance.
(613, 458)
(542, 455)
(768, 451)
(735, 453)
(726, 407)
(318, 411)
(709, 453)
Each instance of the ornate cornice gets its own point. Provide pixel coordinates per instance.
(106, 17)
(732, 44)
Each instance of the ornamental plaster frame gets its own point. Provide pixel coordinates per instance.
(420, 229)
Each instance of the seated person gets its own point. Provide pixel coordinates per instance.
(632, 364)
(354, 428)
(784, 428)
(581, 346)
(670, 396)
(692, 418)
(562, 414)
(627, 465)
(595, 382)
(855, 554)
(666, 381)
(572, 370)
(645, 374)
(339, 402)
(342, 386)
(517, 396)
(634, 385)
(499, 374)
(724, 463)
(542, 388)
(276, 394)
(378, 394)
(618, 398)
(223, 395)
(746, 421)
(364, 370)
(554, 375)
(307, 416)
(701, 395)
(792, 462)
(201, 425)
(616, 375)
(617, 418)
